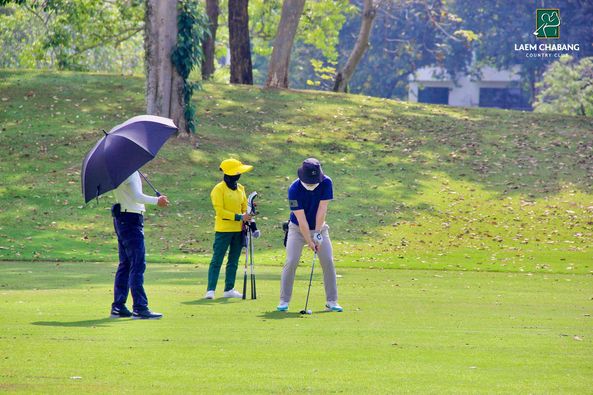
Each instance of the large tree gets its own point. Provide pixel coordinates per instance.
(343, 75)
(175, 30)
(164, 85)
(241, 68)
(287, 28)
(209, 44)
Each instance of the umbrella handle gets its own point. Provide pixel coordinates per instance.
(149, 183)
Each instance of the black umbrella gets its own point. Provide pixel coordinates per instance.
(122, 151)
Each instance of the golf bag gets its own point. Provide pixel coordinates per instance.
(249, 233)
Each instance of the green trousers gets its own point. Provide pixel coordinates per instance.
(222, 242)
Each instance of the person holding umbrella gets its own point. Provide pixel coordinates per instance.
(308, 198)
(112, 164)
(230, 205)
(128, 222)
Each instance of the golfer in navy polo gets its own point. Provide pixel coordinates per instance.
(128, 222)
(308, 197)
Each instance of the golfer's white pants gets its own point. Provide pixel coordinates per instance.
(294, 248)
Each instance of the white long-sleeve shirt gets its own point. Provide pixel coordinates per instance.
(129, 195)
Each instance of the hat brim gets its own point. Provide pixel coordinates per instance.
(237, 170)
(243, 169)
(309, 180)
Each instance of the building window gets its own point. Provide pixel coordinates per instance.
(433, 95)
(510, 98)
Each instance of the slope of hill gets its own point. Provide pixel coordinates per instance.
(416, 186)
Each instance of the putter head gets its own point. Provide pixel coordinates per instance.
(306, 312)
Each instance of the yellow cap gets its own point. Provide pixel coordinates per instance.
(232, 167)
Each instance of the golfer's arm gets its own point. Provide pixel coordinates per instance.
(138, 196)
(303, 225)
(321, 213)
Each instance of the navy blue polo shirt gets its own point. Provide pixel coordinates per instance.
(299, 198)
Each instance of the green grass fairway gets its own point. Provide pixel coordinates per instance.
(401, 331)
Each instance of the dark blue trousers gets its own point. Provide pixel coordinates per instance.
(129, 228)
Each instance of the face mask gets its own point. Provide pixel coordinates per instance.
(231, 181)
(309, 187)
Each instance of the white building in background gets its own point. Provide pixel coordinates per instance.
(493, 88)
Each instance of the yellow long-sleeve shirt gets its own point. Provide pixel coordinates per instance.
(227, 204)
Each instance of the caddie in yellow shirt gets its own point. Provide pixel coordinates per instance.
(230, 204)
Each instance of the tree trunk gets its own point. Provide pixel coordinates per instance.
(212, 10)
(362, 43)
(164, 85)
(241, 68)
(280, 60)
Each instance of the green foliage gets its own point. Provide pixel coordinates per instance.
(192, 24)
(20, 33)
(324, 74)
(321, 23)
(317, 35)
(74, 35)
(567, 87)
(264, 16)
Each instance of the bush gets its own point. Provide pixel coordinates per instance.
(567, 87)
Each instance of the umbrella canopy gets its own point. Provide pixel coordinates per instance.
(122, 151)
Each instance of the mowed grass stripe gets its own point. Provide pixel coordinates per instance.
(402, 331)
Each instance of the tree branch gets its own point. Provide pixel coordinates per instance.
(437, 24)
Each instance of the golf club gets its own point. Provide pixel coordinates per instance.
(252, 233)
(253, 290)
(305, 311)
(245, 244)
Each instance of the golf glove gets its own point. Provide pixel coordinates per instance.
(317, 239)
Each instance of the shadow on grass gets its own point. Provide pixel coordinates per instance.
(281, 315)
(102, 322)
(203, 301)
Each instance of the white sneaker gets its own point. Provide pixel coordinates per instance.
(232, 294)
(209, 295)
(333, 306)
(283, 306)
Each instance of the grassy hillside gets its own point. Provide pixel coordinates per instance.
(416, 186)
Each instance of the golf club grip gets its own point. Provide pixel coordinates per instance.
(244, 285)
(253, 291)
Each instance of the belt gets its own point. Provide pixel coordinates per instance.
(132, 211)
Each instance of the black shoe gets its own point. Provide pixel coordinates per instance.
(146, 315)
(120, 312)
